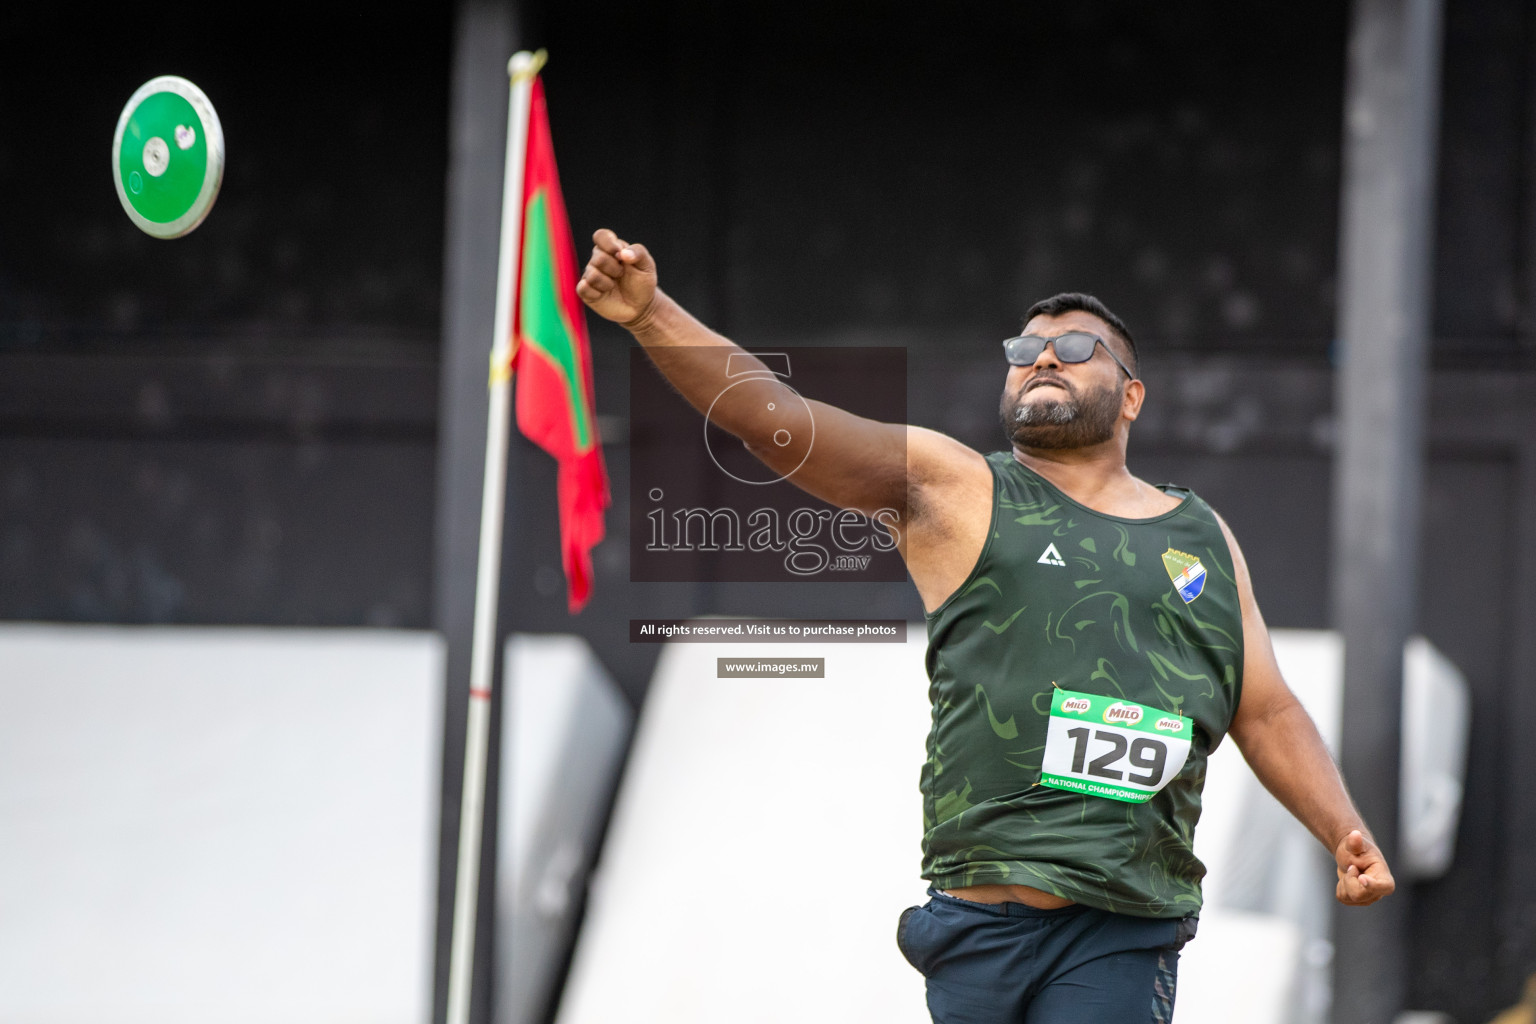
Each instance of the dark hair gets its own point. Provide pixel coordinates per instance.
(1068, 302)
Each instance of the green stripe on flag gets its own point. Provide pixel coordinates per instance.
(544, 324)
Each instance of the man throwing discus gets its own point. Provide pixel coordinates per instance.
(1091, 638)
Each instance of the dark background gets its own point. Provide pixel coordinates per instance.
(241, 426)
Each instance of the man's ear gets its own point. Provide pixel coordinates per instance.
(1130, 403)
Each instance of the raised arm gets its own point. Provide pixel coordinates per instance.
(1282, 746)
(940, 488)
(848, 460)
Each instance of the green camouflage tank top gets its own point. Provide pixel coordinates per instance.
(1062, 672)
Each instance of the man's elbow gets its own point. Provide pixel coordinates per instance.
(1280, 718)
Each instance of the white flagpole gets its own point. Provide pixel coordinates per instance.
(522, 68)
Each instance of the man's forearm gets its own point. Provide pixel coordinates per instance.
(693, 358)
(666, 324)
(1289, 757)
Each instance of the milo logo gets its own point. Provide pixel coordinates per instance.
(1127, 714)
(1168, 724)
(1076, 704)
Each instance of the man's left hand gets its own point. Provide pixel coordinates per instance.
(1364, 876)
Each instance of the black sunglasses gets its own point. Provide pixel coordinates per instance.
(1073, 347)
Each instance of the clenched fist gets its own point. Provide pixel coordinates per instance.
(1363, 874)
(619, 283)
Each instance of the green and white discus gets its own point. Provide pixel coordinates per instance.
(168, 157)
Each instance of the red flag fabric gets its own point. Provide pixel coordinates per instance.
(552, 359)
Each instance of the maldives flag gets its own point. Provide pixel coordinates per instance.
(552, 360)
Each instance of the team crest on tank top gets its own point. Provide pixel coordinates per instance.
(1187, 573)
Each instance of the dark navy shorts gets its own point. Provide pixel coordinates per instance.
(1013, 964)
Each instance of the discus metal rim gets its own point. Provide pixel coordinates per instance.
(213, 175)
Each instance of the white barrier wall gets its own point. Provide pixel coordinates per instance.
(765, 838)
(241, 825)
(217, 824)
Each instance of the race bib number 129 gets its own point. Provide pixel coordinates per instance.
(1112, 748)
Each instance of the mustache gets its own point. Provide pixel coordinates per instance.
(1047, 377)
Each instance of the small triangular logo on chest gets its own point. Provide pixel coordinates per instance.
(1050, 556)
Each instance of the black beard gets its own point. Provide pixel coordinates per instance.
(1077, 422)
